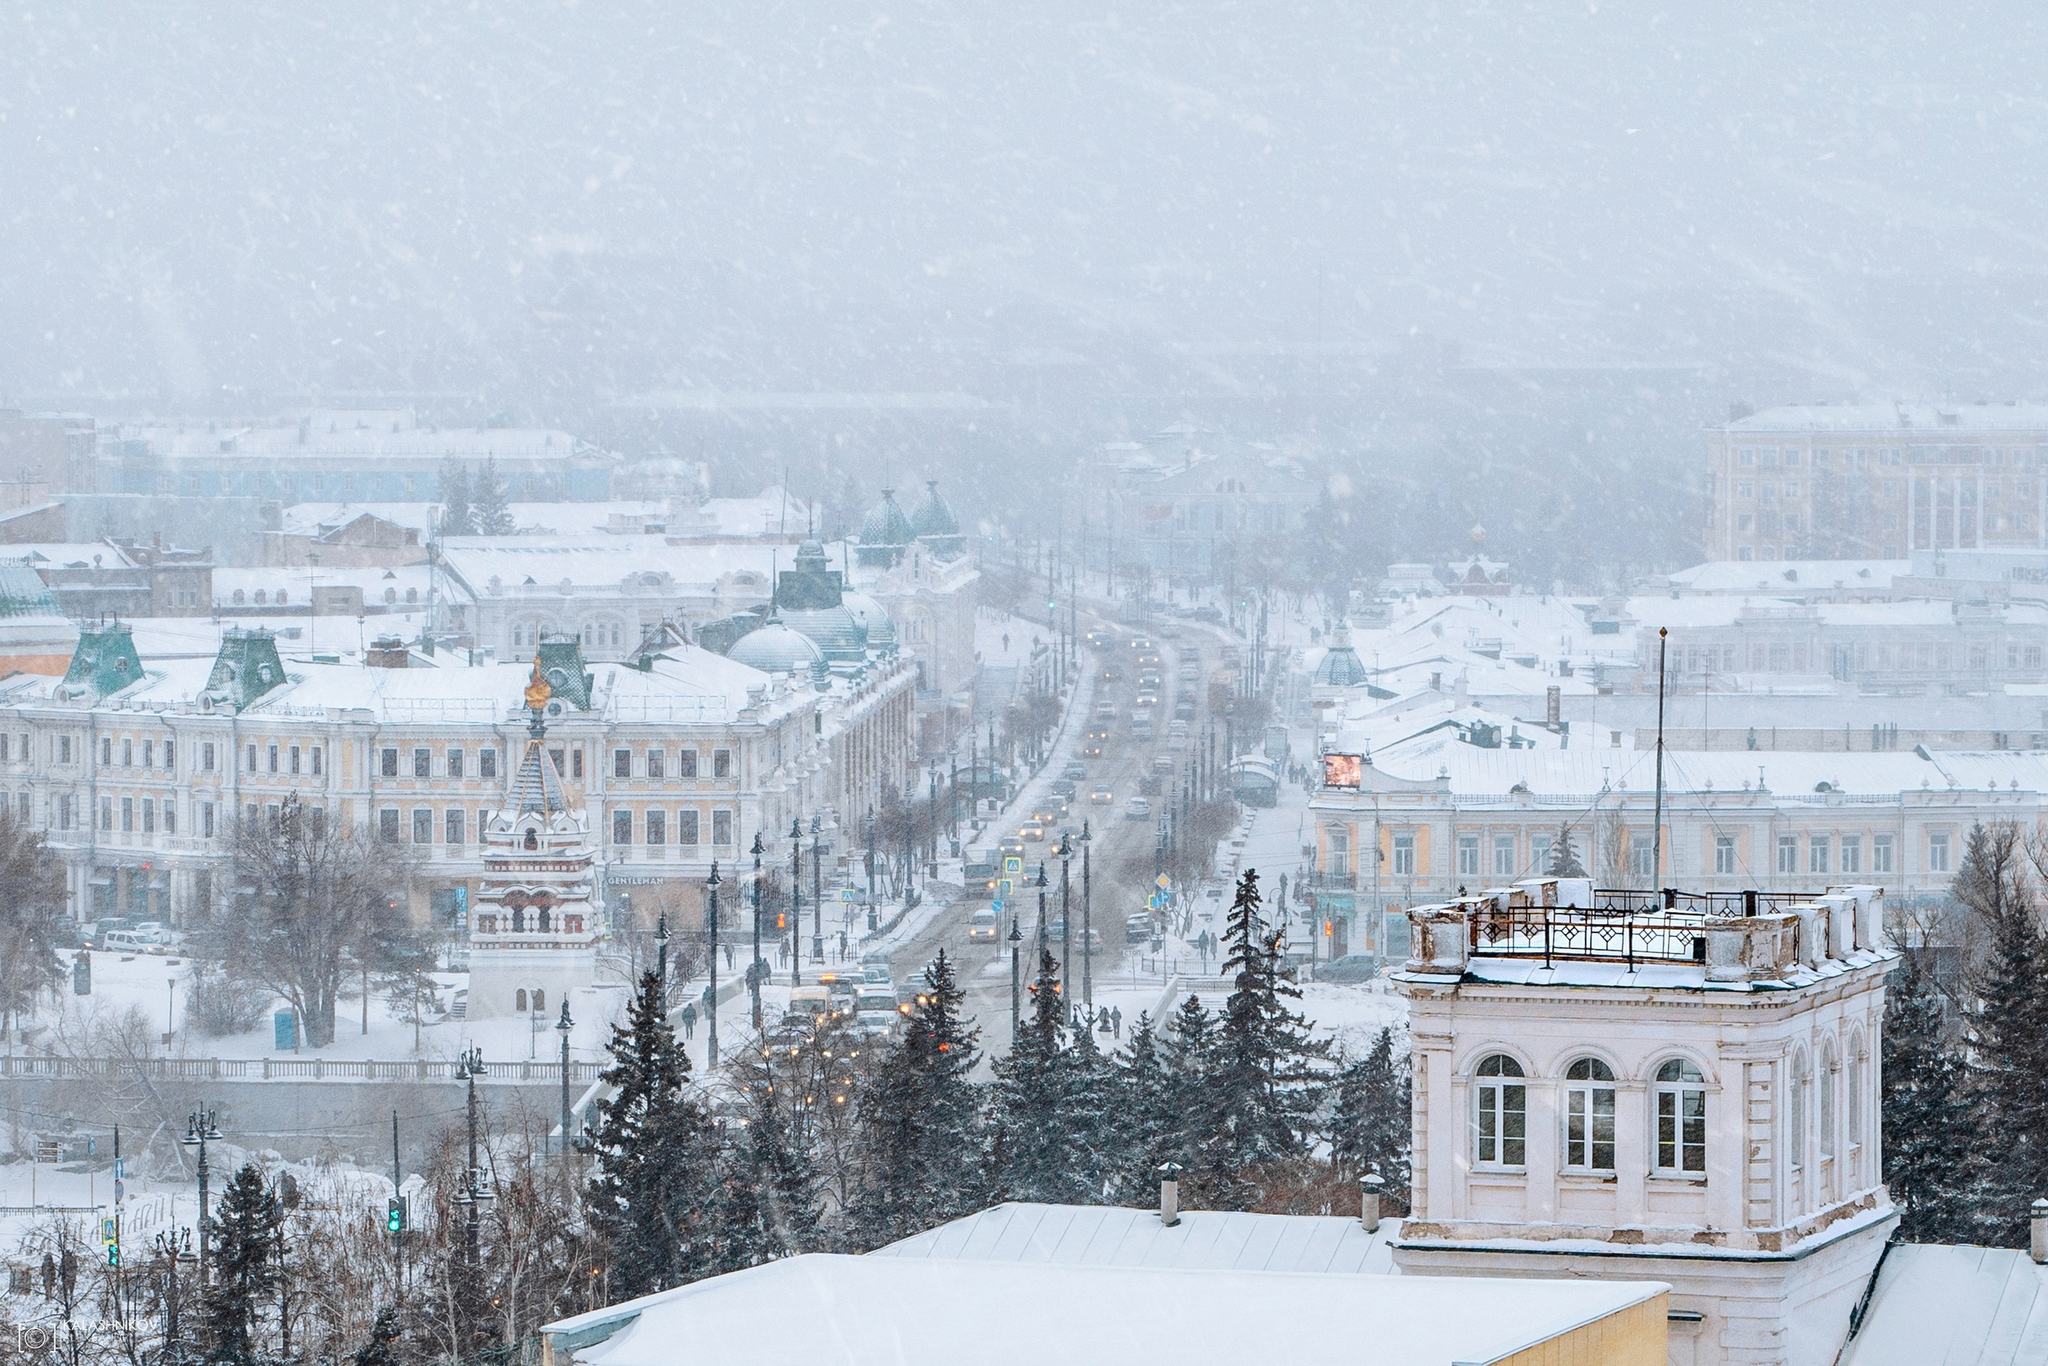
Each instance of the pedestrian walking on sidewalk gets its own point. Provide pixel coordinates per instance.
(689, 1022)
(1116, 1020)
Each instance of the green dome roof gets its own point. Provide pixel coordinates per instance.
(880, 630)
(933, 517)
(887, 525)
(775, 649)
(835, 630)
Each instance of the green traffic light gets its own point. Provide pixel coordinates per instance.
(113, 1254)
(394, 1217)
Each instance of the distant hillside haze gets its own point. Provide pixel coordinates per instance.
(553, 205)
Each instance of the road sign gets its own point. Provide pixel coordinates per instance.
(1164, 881)
(996, 905)
(848, 894)
(1013, 864)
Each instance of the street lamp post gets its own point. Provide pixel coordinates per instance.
(755, 970)
(661, 962)
(1087, 926)
(1066, 911)
(468, 1068)
(201, 1129)
(817, 888)
(1043, 929)
(873, 920)
(796, 901)
(711, 1012)
(563, 1026)
(1016, 980)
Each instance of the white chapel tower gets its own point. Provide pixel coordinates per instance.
(1656, 1086)
(533, 934)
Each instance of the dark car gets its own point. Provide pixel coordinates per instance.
(1150, 787)
(1138, 928)
(1352, 967)
(1076, 770)
(1208, 614)
(1063, 786)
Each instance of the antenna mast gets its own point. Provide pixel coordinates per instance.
(1657, 810)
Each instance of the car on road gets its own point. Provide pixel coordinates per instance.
(1098, 640)
(1092, 746)
(1176, 730)
(1102, 794)
(1352, 967)
(1184, 710)
(1057, 929)
(1011, 846)
(983, 924)
(1137, 928)
(1105, 711)
(1075, 770)
(1063, 786)
(1147, 697)
(1164, 763)
(1152, 786)
(1137, 809)
(1033, 832)
(1208, 614)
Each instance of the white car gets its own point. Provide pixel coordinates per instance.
(1137, 809)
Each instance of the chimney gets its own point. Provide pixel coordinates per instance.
(387, 652)
(1169, 1195)
(1553, 706)
(1369, 1188)
(2039, 1248)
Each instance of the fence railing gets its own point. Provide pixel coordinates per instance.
(1622, 936)
(288, 1069)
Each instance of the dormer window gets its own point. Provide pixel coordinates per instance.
(1589, 1116)
(532, 842)
(1681, 1118)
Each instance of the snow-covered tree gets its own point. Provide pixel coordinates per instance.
(651, 1191)
(458, 518)
(1371, 1123)
(920, 1129)
(1926, 1150)
(243, 1271)
(489, 505)
(1564, 859)
(1263, 1081)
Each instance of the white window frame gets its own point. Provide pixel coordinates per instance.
(1678, 1110)
(1590, 1102)
(1724, 855)
(1500, 1095)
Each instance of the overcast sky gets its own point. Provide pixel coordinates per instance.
(322, 197)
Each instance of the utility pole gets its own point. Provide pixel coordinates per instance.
(757, 970)
(1066, 913)
(1657, 814)
(711, 1014)
(397, 1179)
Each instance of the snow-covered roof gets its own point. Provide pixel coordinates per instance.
(1788, 578)
(833, 1310)
(1101, 1235)
(1962, 1306)
(2027, 419)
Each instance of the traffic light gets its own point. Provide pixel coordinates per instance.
(781, 921)
(394, 1215)
(110, 1235)
(113, 1254)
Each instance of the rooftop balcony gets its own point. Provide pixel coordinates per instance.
(1734, 936)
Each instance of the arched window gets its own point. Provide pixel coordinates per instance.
(519, 1001)
(1589, 1116)
(541, 918)
(1681, 1118)
(540, 998)
(1795, 1139)
(412, 595)
(261, 597)
(391, 595)
(280, 597)
(1502, 1115)
(240, 598)
(519, 923)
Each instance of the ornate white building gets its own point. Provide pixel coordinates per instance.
(533, 937)
(1681, 1088)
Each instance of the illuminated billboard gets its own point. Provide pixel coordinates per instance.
(1343, 770)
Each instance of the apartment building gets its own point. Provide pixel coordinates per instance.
(1862, 480)
(138, 769)
(1417, 806)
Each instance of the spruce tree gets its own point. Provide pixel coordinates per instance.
(1564, 860)
(2006, 1027)
(650, 1193)
(244, 1243)
(920, 1127)
(1372, 1120)
(1192, 1111)
(762, 1207)
(488, 502)
(1031, 1103)
(381, 1349)
(1263, 1081)
(1926, 1151)
(1144, 1119)
(1095, 1101)
(458, 518)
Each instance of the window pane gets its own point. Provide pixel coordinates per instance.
(1514, 1121)
(1667, 1129)
(1603, 1130)
(1695, 1109)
